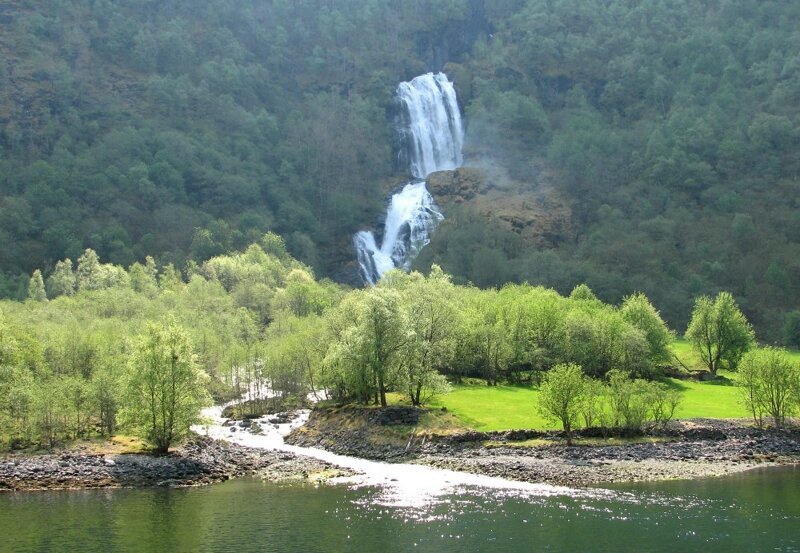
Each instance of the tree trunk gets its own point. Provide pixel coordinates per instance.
(383, 395)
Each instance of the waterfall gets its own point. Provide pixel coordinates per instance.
(411, 218)
(430, 125)
(431, 137)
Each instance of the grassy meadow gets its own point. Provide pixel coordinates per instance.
(488, 408)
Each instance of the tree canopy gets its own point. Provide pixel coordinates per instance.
(719, 332)
(140, 349)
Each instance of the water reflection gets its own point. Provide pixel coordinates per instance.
(755, 512)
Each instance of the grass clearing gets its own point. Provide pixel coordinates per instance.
(686, 354)
(488, 408)
(718, 399)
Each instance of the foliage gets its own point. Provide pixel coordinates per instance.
(229, 122)
(395, 335)
(370, 350)
(637, 310)
(719, 331)
(673, 130)
(592, 411)
(635, 402)
(770, 384)
(233, 122)
(791, 329)
(561, 394)
(62, 281)
(64, 363)
(433, 321)
(36, 290)
(164, 388)
(258, 320)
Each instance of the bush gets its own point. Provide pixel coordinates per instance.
(635, 403)
(663, 402)
(562, 394)
(770, 384)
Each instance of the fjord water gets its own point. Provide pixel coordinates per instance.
(756, 511)
(431, 138)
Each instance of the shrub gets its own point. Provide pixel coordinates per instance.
(770, 384)
(561, 395)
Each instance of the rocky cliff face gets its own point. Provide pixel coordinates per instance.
(534, 210)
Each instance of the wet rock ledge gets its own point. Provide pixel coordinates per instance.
(199, 461)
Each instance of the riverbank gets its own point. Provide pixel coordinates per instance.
(684, 449)
(198, 462)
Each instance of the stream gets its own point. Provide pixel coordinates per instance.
(400, 484)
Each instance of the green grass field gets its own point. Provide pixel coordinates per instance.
(489, 408)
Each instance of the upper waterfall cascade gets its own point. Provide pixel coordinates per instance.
(430, 126)
(431, 136)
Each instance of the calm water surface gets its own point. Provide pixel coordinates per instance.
(757, 511)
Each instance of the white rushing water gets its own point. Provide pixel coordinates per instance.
(411, 218)
(402, 484)
(431, 136)
(431, 133)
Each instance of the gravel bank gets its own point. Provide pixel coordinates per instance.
(690, 449)
(200, 461)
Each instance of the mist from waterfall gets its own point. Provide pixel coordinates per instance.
(431, 137)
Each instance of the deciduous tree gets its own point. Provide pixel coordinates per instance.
(165, 389)
(719, 331)
(561, 396)
(36, 291)
(770, 384)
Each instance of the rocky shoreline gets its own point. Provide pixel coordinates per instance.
(581, 466)
(198, 462)
(684, 449)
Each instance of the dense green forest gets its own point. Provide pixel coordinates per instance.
(67, 353)
(74, 355)
(187, 129)
(674, 128)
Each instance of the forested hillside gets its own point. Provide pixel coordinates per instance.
(674, 129)
(186, 129)
(129, 125)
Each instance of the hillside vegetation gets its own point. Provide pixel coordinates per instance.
(188, 129)
(78, 357)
